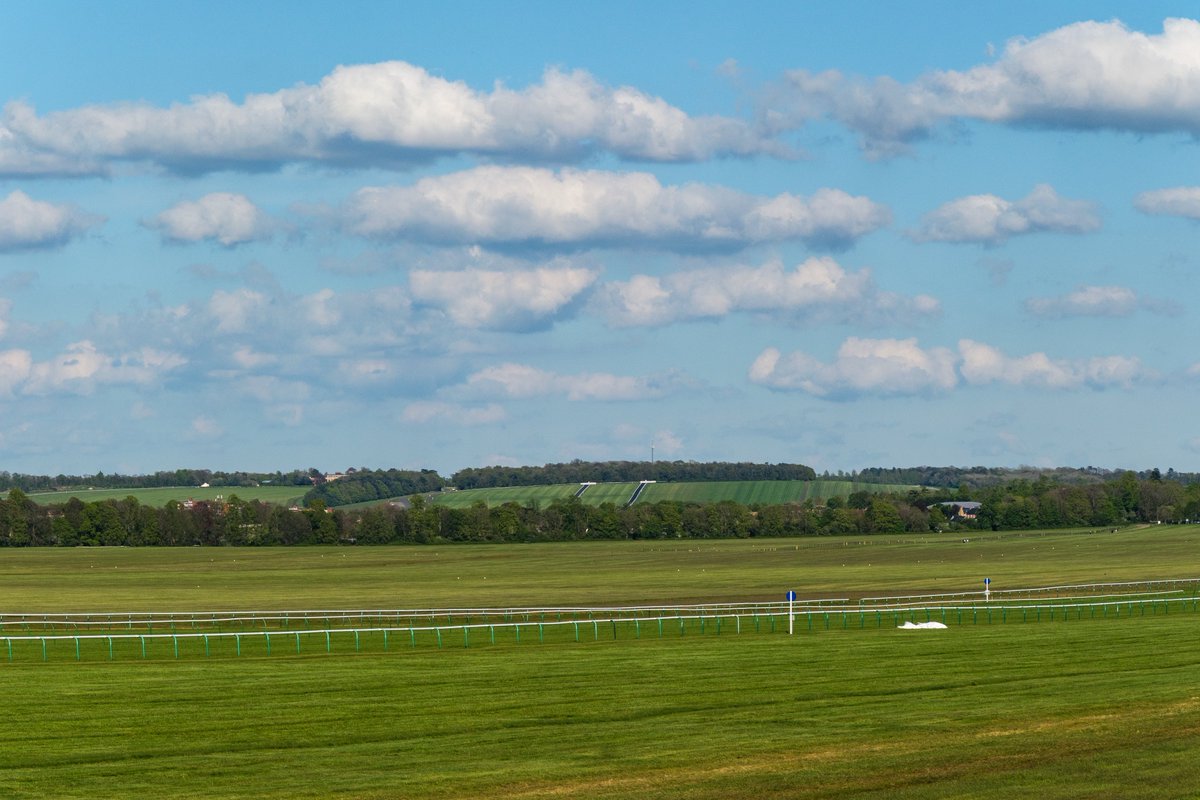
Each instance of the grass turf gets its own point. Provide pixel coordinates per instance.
(1065, 709)
(1079, 709)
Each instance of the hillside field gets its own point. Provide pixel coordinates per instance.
(745, 492)
(1067, 709)
(160, 496)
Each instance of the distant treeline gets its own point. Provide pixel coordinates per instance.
(234, 522)
(626, 471)
(979, 477)
(178, 477)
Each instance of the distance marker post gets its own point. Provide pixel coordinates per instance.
(791, 598)
(987, 590)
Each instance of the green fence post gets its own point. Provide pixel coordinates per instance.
(439, 635)
(43, 649)
(974, 616)
(237, 639)
(466, 637)
(143, 638)
(614, 627)
(9, 643)
(576, 630)
(826, 620)
(206, 645)
(76, 648)
(268, 637)
(637, 628)
(412, 634)
(738, 618)
(681, 624)
(297, 642)
(660, 632)
(595, 631)
(385, 639)
(110, 652)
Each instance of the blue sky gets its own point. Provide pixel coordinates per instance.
(281, 235)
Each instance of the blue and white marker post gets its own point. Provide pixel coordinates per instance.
(987, 590)
(791, 596)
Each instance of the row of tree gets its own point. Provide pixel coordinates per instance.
(627, 471)
(1019, 505)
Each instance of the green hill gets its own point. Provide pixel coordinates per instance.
(745, 492)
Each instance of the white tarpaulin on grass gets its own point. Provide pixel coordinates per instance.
(915, 626)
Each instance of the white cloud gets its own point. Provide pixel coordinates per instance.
(15, 366)
(235, 310)
(28, 224)
(434, 411)
(889, 367)
(520, 381)
(1182, 201)
(818, 287)
(1084, 76)
(528, 206)
(1087, 301)
(984, 364)
(82, 367)
(862, 367)
(319, 308)
(224, 217)
(501, 300)
(988, 219)
(247, 358)
(205, 427)
(386, 114)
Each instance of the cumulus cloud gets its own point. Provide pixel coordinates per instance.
(1182, 201)
(519, 300)
(817, 288)
(862, 367)
(1083, 76)
(83, 367)
(224, 217)
(989, 220)
(390, 114)
(527, 206)
(890, 367)
(1086, 301)
(983, 364)
(521, 381)
(28, 224)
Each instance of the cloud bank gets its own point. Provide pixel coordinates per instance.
(391, 115)
(570, 208)
(900, 367)
(1083, 76)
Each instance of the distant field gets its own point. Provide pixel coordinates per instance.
(746, 492)
(764, 492)
(158, 497)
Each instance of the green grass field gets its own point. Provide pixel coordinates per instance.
(746, 492)
(1067, 709)
(762, 492)
(158, 497)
